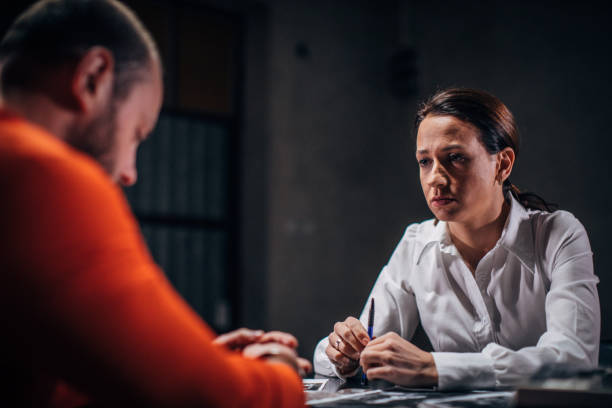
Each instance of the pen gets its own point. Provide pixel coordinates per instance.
(364, 379)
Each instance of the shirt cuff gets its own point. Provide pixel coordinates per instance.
(345, 376)
(323, 366)
(464, 371)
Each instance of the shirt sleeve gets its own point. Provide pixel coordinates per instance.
(84, 300)
(395, 306)
(572, 317)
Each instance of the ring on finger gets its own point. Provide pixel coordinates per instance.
(338, 342)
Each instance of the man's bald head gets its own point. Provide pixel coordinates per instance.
(55, 32)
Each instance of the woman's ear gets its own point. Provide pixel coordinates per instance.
(505, 162)
(92, 80)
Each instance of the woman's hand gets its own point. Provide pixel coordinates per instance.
(346, 343)
(392, 358)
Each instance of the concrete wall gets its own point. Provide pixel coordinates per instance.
(341, 185)
(341, 181)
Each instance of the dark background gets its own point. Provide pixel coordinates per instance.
(317, 99)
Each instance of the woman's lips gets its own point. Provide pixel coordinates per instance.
(442, 201)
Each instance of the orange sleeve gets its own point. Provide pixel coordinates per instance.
(85, 300)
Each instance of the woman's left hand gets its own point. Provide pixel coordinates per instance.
(392, 358)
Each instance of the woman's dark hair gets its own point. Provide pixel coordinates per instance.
(53, 32)
(494, 122)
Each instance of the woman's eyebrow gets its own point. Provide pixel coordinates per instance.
(452, 147)
(444, 149)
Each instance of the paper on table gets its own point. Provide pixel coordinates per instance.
(315, 384)
(371, 397)
(476, 399)
(322, 397)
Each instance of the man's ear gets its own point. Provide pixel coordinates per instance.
(505, 162)
(93, 78)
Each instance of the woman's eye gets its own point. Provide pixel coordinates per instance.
(456, 157)
(424, 162)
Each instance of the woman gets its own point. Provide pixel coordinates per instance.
(501, 285)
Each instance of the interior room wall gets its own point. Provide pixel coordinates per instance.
(341, 180)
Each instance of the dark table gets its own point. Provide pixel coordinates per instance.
(384, 394)
(569, 389)
(554, 386)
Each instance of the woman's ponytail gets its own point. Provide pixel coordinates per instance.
(527, 199)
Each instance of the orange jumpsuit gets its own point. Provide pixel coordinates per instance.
(86, 313)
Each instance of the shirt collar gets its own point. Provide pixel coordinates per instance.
(516, 237)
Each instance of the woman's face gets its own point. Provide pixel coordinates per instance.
(458, 176)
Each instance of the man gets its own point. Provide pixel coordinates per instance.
(88, 318)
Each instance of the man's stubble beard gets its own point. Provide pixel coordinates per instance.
(98, 138)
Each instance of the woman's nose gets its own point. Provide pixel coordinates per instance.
(438, 177)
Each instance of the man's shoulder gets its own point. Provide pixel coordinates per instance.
(30, 154)
(57, 194)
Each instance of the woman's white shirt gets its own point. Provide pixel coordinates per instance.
(531, 301)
